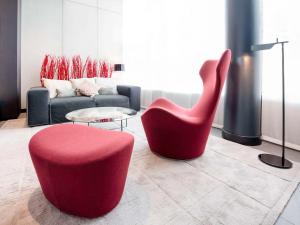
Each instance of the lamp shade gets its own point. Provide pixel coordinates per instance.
(119, 67)
(267, 46)
(262, 47)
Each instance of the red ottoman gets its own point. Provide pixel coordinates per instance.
(82, 170)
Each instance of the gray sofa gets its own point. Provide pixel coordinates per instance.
(42, 110)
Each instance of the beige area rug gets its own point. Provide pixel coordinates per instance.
(228, 185)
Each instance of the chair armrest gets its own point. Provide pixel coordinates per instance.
(134, 95)
(38, 106)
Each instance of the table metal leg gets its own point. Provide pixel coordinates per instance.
(126, 123)
(88, 124)
(121, 125)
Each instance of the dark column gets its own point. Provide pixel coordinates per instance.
(9, 59)
(242, 112)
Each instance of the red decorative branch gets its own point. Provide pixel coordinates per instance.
(95, 68)
(52, 68)
(63, 68)
(88, 67)
(106, 69)
(103, 70)
(43, 73)
(49, 68)
(77, 69)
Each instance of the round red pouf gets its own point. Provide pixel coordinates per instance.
(82, 170)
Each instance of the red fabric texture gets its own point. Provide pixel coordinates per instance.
(82, 170)
(176, 132)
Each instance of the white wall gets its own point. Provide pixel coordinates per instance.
(80, 29)
(174, 42)
(68, 27)
(41, 33)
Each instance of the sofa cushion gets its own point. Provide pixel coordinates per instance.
(87, 88)
(107, 83)
(59, 107)
(112, 100)
(52, 85)
(65, 92)
(77, 82)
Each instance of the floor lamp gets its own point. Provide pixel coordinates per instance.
(274, 160)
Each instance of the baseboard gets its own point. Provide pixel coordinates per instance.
(268, 139)
(279, 142)
(23, 110)
(215, 125)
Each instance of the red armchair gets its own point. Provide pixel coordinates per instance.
(176, 132)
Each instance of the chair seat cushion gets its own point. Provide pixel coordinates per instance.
(112, 100)
(76, 144)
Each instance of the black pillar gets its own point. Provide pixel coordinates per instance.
(242, 110)
(9, 59)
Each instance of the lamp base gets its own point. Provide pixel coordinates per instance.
(276, 161)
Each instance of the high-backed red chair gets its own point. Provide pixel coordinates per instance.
(176, 132)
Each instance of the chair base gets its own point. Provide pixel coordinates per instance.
(175, 157)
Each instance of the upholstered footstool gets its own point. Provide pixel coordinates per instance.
(82, 170)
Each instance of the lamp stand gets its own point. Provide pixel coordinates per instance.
(274, 160)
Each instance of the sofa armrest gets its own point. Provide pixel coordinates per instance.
(134, 95)
(38, 106)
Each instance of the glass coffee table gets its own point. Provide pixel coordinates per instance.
(101, 115)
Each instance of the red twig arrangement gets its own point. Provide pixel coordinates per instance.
(103, 69)
(95, 68)
(77, 68)
(63, 68)
(49, 68)
(43, 73)
(52, 68)
(106, 69)
(88, 68)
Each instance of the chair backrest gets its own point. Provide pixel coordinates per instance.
(213, 74)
